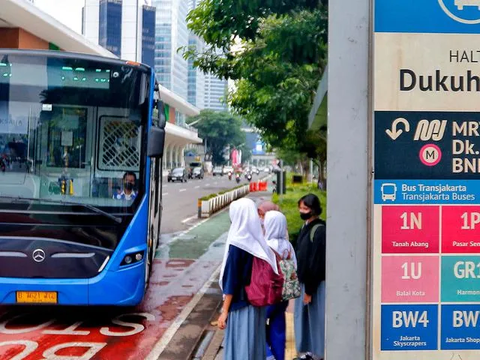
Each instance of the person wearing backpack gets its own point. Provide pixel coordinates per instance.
(309, 315)
(275, 234)
(244, 324)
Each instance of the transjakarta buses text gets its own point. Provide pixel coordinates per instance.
(434, 188)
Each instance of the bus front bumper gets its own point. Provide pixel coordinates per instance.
(123, 287)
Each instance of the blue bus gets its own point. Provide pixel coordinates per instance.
(81, 146)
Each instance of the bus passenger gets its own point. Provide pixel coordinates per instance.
(245, 324)
(128, 192)
(275, 235)
(311, 256)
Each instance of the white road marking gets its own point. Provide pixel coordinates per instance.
(168, 335)
(196, 187)
(190, 218)
(182, 190)
(215, 183)
(165, 194)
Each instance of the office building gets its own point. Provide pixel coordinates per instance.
(124, 27)
(171, 34)
(216, 91)
(196, 77)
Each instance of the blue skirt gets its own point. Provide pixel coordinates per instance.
(310, 323)
(245, 334)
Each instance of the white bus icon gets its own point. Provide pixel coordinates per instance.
(461, 3)
(389, 192)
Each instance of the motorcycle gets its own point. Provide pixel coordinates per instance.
(229, 175)
(237, 178)
(249, 177)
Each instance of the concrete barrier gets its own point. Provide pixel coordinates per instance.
(207, 208)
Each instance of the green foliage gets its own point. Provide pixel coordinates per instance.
(276, 52)
(211, 196)
(219, 129)
(289, 207)
(208, 197)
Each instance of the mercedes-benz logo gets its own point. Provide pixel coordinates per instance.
(38, 255)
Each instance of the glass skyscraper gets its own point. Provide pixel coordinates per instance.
(205, 91)
(124, 27)
(148, 35)
(171, 34)
(109, 33)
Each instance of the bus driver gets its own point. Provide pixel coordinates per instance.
(128, 192)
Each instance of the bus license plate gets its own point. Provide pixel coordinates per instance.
(37, 297)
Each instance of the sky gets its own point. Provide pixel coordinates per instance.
(68, 12)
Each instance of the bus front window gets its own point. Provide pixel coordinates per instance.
(71, 129)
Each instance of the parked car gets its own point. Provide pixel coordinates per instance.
(227, 169)
(178, 174)
(218, 170)
(198, 173)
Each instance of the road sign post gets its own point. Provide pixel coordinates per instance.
(426, 212)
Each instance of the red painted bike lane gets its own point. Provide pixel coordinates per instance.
(55, 333)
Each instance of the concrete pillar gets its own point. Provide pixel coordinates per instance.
(170, 156)
(182, 156)
(349, 168)
(177, 155)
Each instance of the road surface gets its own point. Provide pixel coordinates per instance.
(180, 200)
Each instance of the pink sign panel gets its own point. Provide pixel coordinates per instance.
(461, 229)
(410, 279)
(410, 229)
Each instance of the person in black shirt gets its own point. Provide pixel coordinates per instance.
(311, 255)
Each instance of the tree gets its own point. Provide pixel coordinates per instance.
(220, 130)
(276, 53)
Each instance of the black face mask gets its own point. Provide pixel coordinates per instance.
(306, 216)
(128, 186)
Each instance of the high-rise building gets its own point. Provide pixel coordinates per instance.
(196, 77)
(215, 93)
(124, 27)
(171, 34)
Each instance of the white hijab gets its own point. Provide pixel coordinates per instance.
(276, 234)
(246, 233)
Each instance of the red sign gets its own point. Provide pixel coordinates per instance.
(410, 229)
(461, 229)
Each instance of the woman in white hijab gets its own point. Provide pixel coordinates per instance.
(275, 235)
(244, 324)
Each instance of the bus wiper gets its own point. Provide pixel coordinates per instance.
(62, 202)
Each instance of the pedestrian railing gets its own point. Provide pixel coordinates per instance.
(209, 205)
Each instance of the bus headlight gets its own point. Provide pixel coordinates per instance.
(132, 258)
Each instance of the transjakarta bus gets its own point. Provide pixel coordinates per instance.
(74, 130)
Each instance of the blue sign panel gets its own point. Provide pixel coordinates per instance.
(426, 192)
(460, 327)
(409, 327)
(427, 16)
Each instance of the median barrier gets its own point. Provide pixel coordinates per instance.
(209, 205)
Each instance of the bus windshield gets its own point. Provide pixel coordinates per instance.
(72, 129)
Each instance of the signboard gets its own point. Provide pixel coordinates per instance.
(426, 213)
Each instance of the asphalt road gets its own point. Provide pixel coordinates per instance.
(180, 200)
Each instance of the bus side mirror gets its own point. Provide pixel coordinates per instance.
(156, 142)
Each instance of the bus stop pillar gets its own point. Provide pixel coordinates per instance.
(347, 318)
